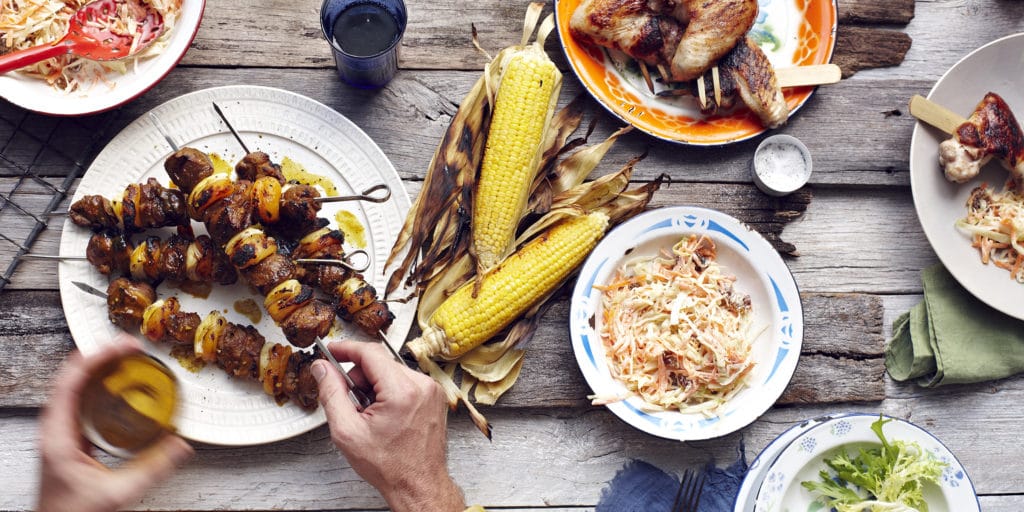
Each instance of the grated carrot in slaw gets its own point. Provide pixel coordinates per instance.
(675, 331)
(28, 23)
(995, 221)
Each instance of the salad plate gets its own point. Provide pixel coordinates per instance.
(790, 33)
(214, 408)
(114, 89)
(940, 203)
(803, 459)
(760, 273)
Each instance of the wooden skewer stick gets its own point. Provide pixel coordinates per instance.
(801, 76)
(701, 93)
(716, 83)
(663, 72)
(932, 113)
(647, 75)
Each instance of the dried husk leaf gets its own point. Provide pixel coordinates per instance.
(489, 392)
(495, 371)
(574, 169)
(441, 286)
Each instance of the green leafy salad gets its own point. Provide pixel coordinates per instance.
(890, 477)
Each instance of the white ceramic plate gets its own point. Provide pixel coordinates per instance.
(217, 409)
(804, 457)
(760, 272)
(36, 95)
(996, 67)
(759, 468)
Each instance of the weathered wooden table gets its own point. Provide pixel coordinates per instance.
(859, 242)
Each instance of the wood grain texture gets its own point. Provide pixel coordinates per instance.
(842, 343)
(860, 48)
(898, 12)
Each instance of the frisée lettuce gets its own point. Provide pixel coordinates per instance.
(890, 477)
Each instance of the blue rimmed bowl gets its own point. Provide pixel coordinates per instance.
(760, 272)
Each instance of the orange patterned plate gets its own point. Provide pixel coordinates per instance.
(791, 33)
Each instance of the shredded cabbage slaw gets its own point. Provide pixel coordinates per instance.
(995, 221)
(675, 330)
(28, 23)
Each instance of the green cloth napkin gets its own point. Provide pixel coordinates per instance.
(953, 338)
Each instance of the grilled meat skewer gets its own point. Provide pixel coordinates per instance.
(142, 206)
(176, 259)
(239, 350)
(991, 131)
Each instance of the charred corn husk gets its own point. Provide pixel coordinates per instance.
(523, 108)
(463, 322)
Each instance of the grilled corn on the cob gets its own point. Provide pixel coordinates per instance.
(523, 109)
(463, 322)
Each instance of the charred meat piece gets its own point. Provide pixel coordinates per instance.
(109, 253)
(714, 29)
(257, 164)
(272, 271)
(299, 210)
(187, 167)
(299, 384)
(126, 301)
(94, 212)
(304, 325)
(630, 26)
(238, 351)
(991, 131)
(230, 215)
(374, 317)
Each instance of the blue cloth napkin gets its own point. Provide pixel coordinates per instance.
(641, 487)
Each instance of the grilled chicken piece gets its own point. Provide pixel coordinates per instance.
(755, 81)
(715, 27)
(991, 131)
(631, 26)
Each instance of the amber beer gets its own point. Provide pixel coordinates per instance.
(128, 404)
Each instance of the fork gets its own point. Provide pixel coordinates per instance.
(690, 488)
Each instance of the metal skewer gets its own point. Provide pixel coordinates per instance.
(232, 128)
(160, 128)
(357, 395)
(367, 195)
(345, 262)
(30, 256)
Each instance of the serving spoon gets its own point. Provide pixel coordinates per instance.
(88, 37)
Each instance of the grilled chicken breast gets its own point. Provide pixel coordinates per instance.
(715, 27)
(991, 131)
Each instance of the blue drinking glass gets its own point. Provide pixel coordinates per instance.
(364, 36)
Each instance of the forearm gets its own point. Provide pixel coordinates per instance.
(440, 495)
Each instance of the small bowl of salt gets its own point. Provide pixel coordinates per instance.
(781, 165)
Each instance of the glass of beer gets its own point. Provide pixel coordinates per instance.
(128, 404)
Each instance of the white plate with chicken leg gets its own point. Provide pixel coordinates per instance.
(997, 67)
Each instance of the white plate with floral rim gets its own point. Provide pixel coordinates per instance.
(803, 459)
(759, 468)
(760, 273)
(214, 408)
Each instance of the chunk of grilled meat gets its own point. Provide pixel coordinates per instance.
(630, 26)
(187, 167)
(991, 131)
(256, 165)
(714, 29)
(753, 76)
(127, 301)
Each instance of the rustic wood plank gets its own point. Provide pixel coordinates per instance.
(876, 11)
(860, 48)
(537, 459)
(842, 344)
(228, 31)
(844, 242)
(408, 118)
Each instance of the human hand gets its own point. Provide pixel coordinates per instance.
(398, 443)
(71, 478)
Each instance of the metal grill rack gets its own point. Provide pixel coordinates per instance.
(40, 159)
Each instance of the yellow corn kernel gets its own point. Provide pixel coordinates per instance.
(462, 323)
(523, 108)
